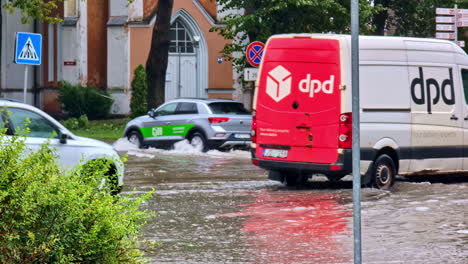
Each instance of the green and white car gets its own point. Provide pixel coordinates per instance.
(205, 123)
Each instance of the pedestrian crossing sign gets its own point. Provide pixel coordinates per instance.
(28, 48)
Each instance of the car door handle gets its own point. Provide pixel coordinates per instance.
(453, 117)
(466, 118)
(168, 123)
(303, 127)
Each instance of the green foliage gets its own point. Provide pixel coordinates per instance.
(264, 18)
(138, 103)
(414, 17)
(45, 11)
(50, 216)
(83, 121)
(76, 123)
(80, 100)
(109, 129)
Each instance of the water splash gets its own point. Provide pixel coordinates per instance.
(182, 147)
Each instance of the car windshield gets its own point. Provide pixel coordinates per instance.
(228, 108)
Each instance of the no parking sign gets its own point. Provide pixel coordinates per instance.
(254, 53)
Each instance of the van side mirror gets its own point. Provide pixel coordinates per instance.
(63, 138)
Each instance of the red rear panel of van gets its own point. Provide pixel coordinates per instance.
(298, 101)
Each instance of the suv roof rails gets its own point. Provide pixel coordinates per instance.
(203, 99)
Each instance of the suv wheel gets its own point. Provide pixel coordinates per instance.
(135, 138)
(198, 141)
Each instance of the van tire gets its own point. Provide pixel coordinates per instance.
(294, 179)
(334, 178)
(383, 172)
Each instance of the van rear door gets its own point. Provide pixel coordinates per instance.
(298, 100)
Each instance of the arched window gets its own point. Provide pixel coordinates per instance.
(181, 41)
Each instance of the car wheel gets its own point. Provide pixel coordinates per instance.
(198, 142)
(135, 138)
(383, 172)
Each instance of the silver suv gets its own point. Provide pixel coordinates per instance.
(205, 123)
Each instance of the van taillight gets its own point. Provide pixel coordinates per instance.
(253, 132)
(217, 119)
(345, 136)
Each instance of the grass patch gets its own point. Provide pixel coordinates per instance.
(110, 129)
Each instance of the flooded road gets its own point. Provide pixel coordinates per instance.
(217, 207)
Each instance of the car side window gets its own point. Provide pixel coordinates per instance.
(39, 127)
(186, 108)
(168, 109)
(3, 125)
(464, 74)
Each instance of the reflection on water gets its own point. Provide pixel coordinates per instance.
(218, 208)
(297, 227)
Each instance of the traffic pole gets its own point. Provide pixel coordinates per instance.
(25, 90)
(356, 152)
(456, 24)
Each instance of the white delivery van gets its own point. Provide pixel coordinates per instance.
(413, 108)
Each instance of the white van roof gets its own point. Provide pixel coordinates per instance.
(388, 42)
(397, 49)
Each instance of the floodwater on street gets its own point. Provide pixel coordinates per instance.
(217, 207)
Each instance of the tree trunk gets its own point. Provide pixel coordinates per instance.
(156, 65)
(380, 19)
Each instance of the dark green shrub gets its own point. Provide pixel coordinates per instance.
(138, 103)
(71, 123)
(80, 100)
(75, 123)
(51, 216)
(83, 121)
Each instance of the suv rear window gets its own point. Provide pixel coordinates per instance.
(228, 108)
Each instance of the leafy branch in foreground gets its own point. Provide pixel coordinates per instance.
(51, 216)
(45, 11)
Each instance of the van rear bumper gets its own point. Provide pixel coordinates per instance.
(342, 166)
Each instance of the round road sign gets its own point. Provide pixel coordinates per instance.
(254, 53)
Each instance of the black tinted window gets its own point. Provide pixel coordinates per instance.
(186, 108)
(228, 108)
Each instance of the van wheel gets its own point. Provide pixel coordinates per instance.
(295, 179)
(135, 138)
(334, 178)
(383, 172)
(198, 141)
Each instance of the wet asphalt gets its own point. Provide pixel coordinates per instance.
(217, 207)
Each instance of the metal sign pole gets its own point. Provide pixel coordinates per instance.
(356, 140)
(25, 83)
(456, 24)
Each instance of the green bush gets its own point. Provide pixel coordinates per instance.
(83, 121)
(80, 100)
(51, 216)
(138, 103)
(76, 123)
(71, 123)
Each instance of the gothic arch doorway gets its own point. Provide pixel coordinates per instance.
(187, 70)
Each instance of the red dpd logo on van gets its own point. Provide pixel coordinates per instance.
(279, 82)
